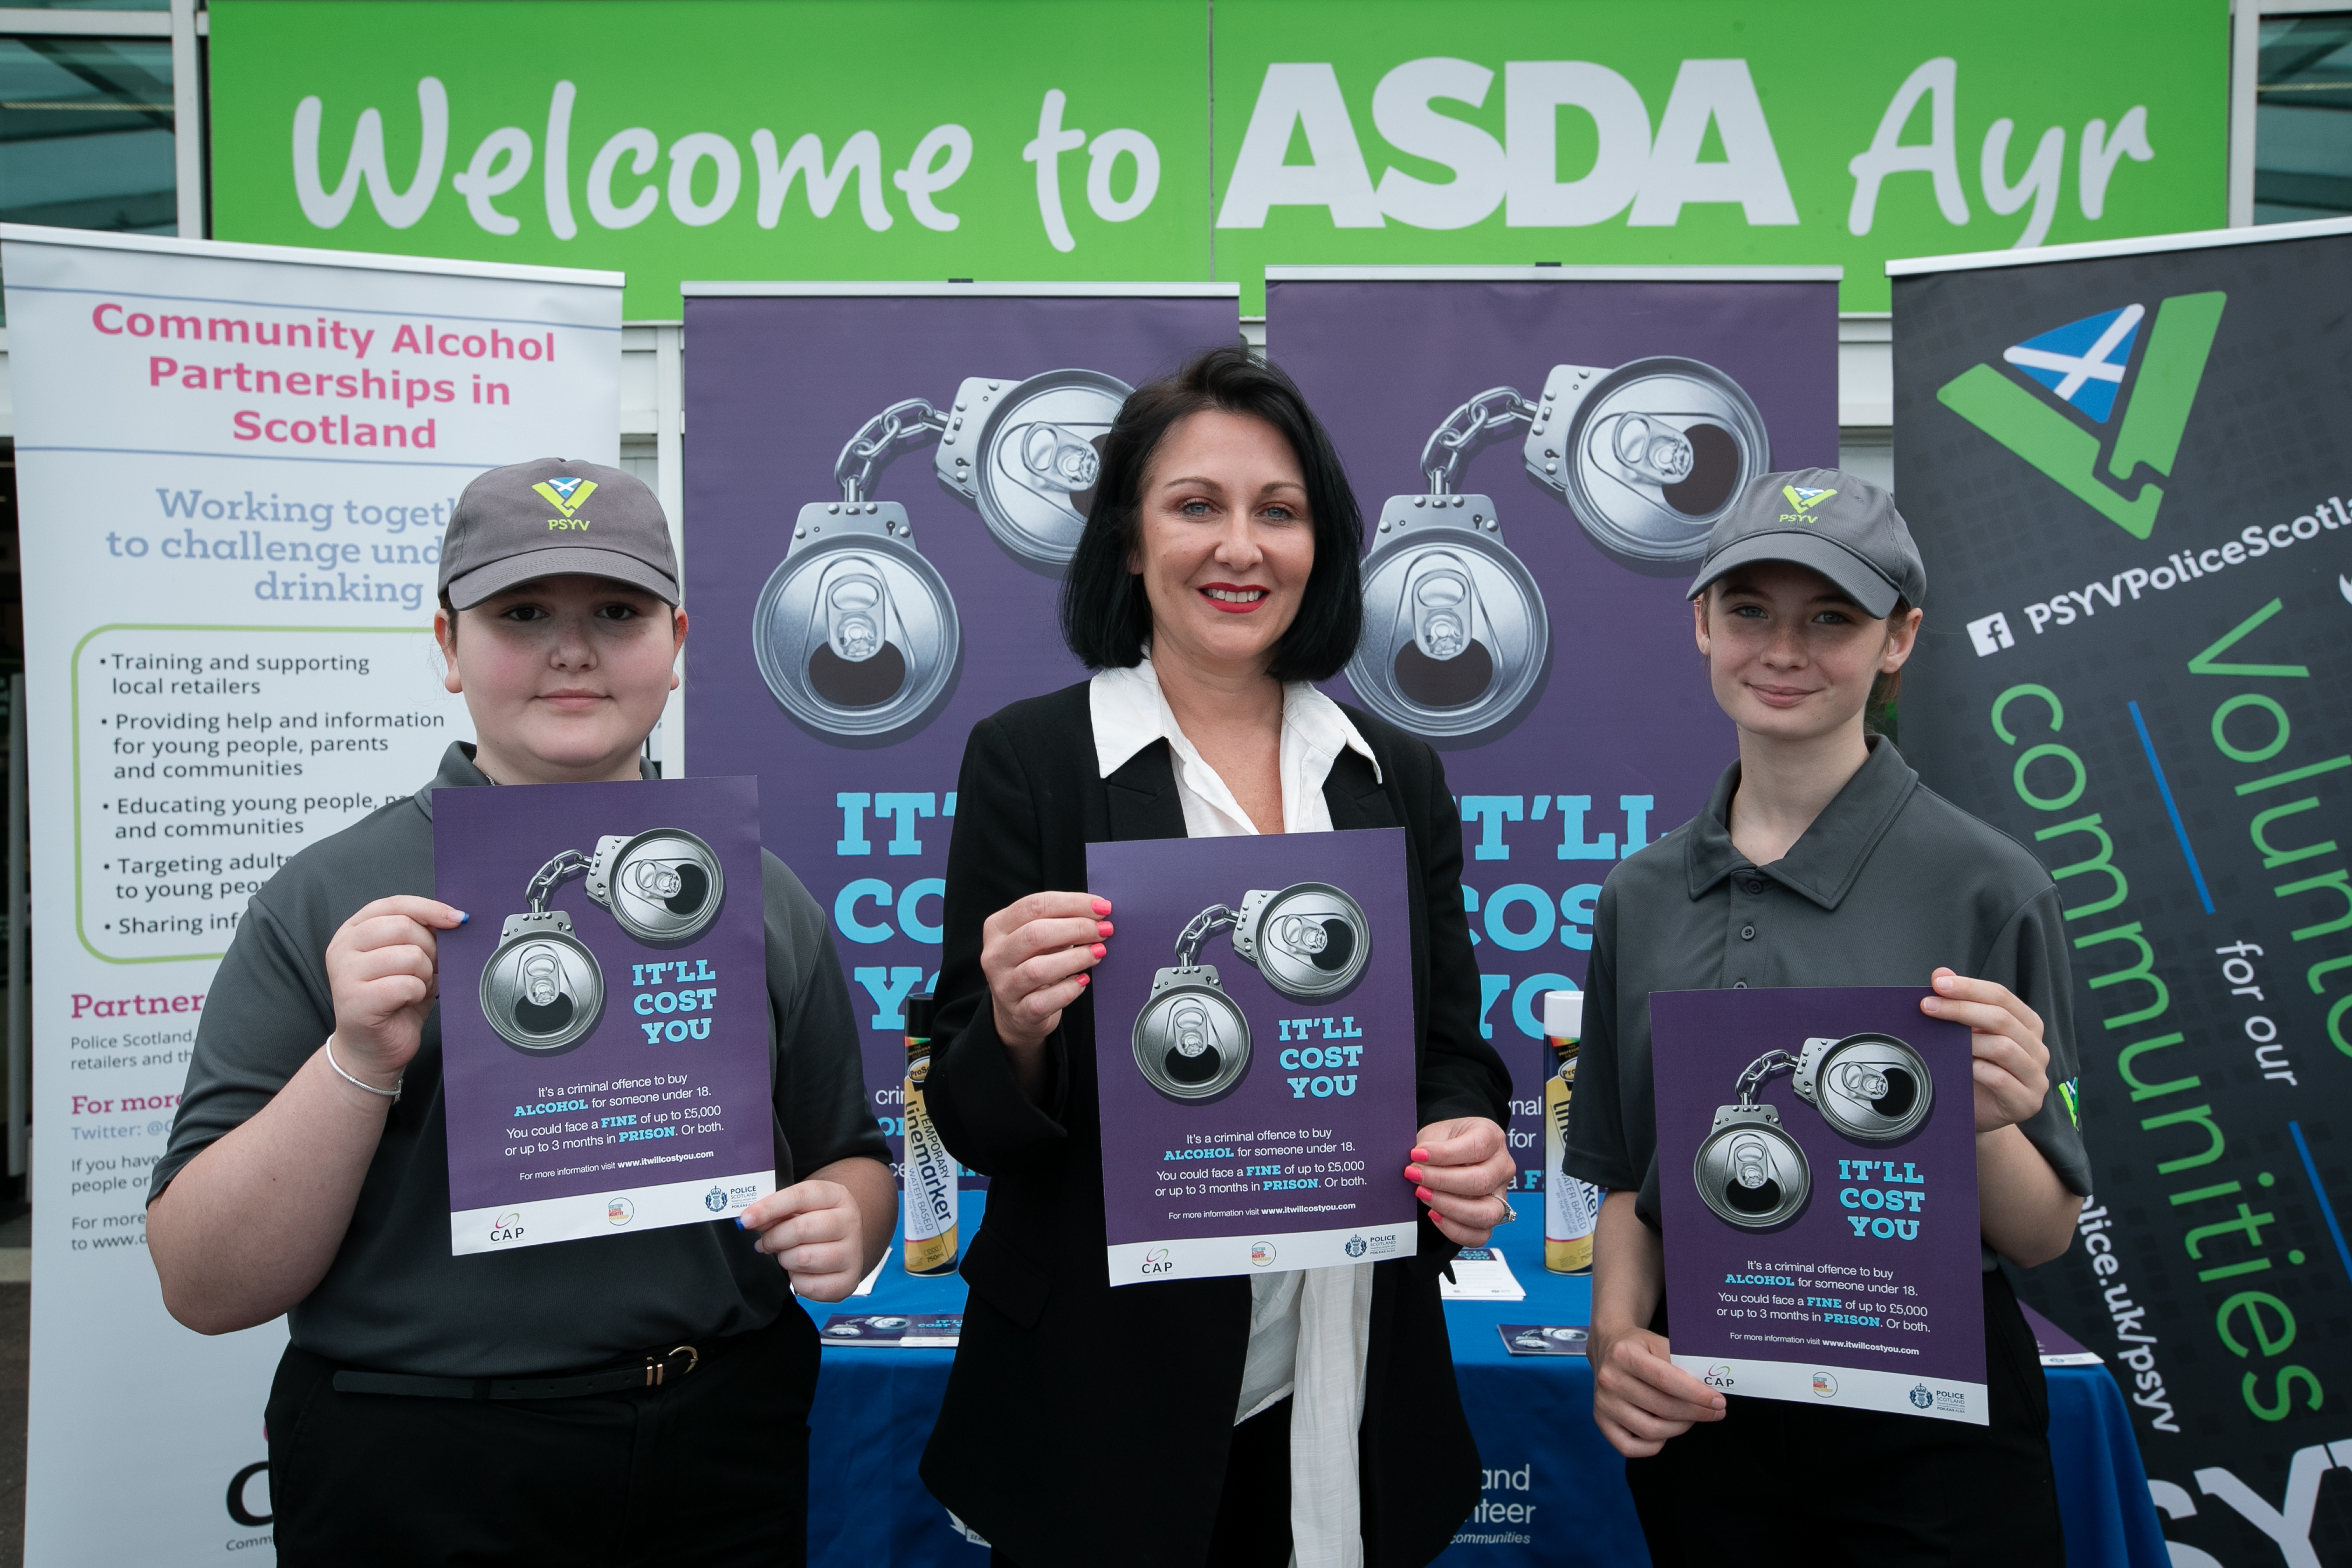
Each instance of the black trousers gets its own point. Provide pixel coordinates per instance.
(1776, 1483)
(1252, 1529)
(710, 1471)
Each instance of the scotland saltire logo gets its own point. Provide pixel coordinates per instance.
(566, 495)
(2082, 362)
(1804, 498)
(2075, 380)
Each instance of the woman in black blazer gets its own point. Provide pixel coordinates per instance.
(1085, 1424)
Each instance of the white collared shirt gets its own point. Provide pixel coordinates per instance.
(1309, 1328)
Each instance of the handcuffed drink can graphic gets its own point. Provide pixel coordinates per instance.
(1457, 642)
(1647, 454)
(542, 989)
(1870, 1089)
(1027, 455)
(663, 887)
(1311, 941)
(856, 634)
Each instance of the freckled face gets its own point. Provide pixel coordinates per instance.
(1226, 544)
(1788, 654)
(564, 677)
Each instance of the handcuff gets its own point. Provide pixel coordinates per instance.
(855, 633)
(1456, 638)
(1870, 1089)
(1311, 941)
(542, 989)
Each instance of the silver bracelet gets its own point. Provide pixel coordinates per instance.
(391, 1094)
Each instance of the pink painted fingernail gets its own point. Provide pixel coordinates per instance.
(1424, 1194)
(1085, 979)
(1412, 1172)
(1420, 1153)
(1102, 928)
(1102, 906)
(1097, 950)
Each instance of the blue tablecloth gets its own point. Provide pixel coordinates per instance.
(1555, 1492)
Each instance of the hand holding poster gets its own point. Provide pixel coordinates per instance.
(624, 1021)
(1825, 1247)
(1253, 1111)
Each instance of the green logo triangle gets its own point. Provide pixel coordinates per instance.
(2154, 420)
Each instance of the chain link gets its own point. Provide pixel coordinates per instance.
(553, 875)
(1481, 420)
(1202, 926)
(1753, 1076)
(898, 427)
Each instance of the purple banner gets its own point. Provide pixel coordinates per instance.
(843, 651)
(1253, 1046)
(1817, 1150)
(605, 1012)
(1525, 606)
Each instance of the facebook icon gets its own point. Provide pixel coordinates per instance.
(1991, 634)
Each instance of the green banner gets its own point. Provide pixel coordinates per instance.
(1080, 139)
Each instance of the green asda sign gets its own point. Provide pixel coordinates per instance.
(1081, 139)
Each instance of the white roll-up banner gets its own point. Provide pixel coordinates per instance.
(235, 465)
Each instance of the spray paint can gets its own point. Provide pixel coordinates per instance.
(928, 1198)
(1571, 1208)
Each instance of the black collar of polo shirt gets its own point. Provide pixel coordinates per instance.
(1824, 862)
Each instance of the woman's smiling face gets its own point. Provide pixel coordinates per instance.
(1224, 543)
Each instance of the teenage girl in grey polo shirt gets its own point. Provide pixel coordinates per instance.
(637, 1398)
(1822, 860)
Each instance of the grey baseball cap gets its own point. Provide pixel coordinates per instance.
(1843, 526)
(552, 516)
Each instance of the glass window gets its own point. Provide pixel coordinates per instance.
(2302, 119)
(86, 134)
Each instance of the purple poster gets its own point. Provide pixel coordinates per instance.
(884, 485)
(604, 1014)
(1818, 1156)
(1539, 454)
(1254, 1045)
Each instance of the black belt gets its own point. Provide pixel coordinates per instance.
(656, 1369)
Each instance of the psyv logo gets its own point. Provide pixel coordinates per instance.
(2083, 366)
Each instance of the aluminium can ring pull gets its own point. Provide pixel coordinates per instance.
(1874, 1088)
(664, 887)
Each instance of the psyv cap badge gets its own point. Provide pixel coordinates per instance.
(1312, 943)
(1456, 638)
(542, 989)
(855, 633)
(1870, 1089)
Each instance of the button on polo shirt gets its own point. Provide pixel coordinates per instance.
(1890, 882)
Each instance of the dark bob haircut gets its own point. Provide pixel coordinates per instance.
(1106, 618)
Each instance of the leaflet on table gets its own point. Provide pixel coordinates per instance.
(922, 1330)
(1817, 1150)
(604, 1011)
(1544, 1339)
(1253, 1053)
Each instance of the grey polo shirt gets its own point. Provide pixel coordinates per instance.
(394, 1300)
(1889, 883)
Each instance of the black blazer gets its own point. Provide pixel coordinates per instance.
(1085, 1424)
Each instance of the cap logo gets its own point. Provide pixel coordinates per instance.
(1805, 498)
(566, 495)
